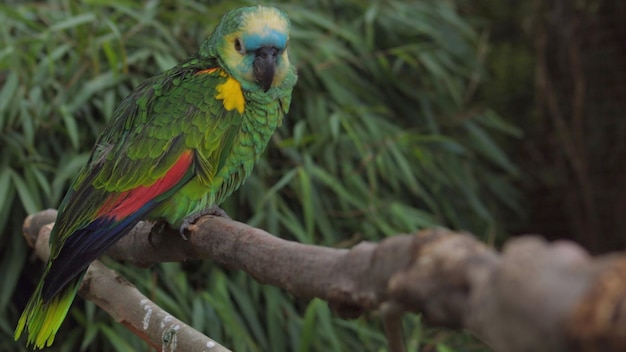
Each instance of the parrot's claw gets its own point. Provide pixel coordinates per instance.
(191, 219)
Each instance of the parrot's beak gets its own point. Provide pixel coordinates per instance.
(264, 66)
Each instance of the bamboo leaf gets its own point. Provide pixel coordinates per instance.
(74, 21)
(118, 343)
(29, 201)
(5, 184)
(7, 93)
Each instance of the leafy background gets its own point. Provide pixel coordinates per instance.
(394, 127)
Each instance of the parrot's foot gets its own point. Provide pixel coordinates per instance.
(191, 219)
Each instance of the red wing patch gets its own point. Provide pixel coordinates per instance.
(120, 205)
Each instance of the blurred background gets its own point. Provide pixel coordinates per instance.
(495, 117)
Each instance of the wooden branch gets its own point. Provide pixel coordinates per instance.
(535, 296)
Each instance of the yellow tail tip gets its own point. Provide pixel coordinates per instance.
(42, 320)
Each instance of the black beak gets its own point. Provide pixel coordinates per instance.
(264, 66)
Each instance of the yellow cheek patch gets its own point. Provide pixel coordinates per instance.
(231, 94)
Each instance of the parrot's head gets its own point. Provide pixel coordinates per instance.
(251, 44)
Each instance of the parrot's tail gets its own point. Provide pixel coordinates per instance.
(43, 319)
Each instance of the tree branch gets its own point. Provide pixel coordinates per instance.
(535, 296)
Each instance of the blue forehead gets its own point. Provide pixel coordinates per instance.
(269, 37)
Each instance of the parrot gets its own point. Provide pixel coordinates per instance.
(177, 146)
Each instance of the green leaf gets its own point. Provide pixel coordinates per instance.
(10, 269)
(248, 310)
(5, 184)
(73, 22)
(7, 93)
(309, 328)
(489, 148)
(307, 203)
(29, 201)
(118, 342)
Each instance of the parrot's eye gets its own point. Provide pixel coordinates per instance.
(239, 47)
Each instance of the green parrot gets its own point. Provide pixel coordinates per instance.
(178, 145)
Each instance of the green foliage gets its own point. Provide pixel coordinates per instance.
(384, 136)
